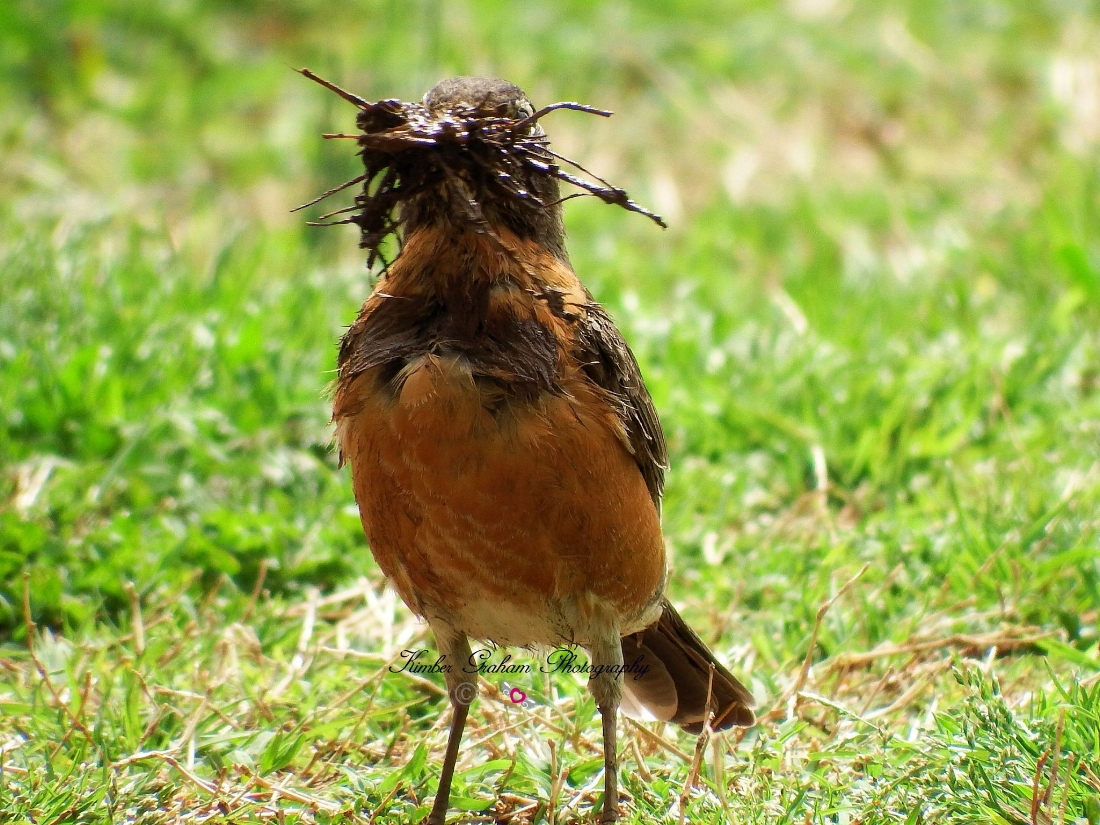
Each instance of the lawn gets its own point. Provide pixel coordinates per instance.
(872, 332)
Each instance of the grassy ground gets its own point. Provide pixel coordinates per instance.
(871, 333)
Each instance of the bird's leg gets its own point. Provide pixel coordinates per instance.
(610, 718)
(462, 690)
(607, 688)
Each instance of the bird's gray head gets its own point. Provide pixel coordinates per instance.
(488, 96)
(538, 218)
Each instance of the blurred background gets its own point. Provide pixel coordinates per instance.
(884, 238)
(871, 329)
(884, 251)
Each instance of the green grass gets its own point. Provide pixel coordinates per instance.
(871, 332)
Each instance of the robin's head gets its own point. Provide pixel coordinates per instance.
(481, 179)
(486, 96)
(471, 156)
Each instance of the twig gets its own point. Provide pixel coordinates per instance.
(1035, 798)
(373, 815)
(658, 740)
(700, 746)
(553, 107)
(289, 793)
(331, 192)
(354, 593)
(643, 769)
(985, 641)
(1090, 776)
(332, 87)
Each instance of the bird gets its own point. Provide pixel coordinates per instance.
(506, 458)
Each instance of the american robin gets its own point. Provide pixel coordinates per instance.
(506, 457)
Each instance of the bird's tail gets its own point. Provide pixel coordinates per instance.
(673, 678)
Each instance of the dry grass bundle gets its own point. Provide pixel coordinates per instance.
(408, 149)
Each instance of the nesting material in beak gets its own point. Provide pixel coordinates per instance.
(409, 149)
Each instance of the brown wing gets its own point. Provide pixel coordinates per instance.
(608, 361)
(681, 675)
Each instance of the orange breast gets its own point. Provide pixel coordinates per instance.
(507, 523)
